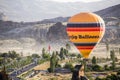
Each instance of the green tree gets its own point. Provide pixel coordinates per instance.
(62, 56)
(68, 47)
(52, 62)
(13, 54)
(112, 55)
(96, 68)
(35, 56)
(107, 48)
(119, 51)
(45, 55)
(65, 52)
(94, 61)
(43, 51)
(79, 56)
(106, 67)
(1, 61)
(4, 55)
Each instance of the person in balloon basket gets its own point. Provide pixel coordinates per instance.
(78, 73)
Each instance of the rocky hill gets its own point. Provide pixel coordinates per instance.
(112, 11)
(55, 20)
(57, 32)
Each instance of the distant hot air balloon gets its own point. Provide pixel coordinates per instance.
(85, 30)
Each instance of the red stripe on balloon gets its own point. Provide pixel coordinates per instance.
(85, 47)
(84, 29)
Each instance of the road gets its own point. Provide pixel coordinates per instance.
(17, 72)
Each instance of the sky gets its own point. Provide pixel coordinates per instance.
(37, 10)
(75, 0)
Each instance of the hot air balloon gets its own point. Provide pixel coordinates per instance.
(85, 30)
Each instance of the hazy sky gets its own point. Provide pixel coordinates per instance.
(75, 0)
(36, 10)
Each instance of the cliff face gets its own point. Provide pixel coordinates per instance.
(57, 32)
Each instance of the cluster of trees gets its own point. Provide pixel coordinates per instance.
(45, 54)
(53, 62)
(56, 56)
(10, 54)
(8, 57)
(63, 53)
(96, 67)
(111, 77)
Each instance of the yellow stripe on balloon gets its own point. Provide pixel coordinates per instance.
(85, 53)
(84, 36)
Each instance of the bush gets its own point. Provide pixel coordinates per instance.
(97, 78)
(106, 67)
(112, 77)
(97, 68)
(46, 56)
(69, 66)
(35, 56)
(118, 73)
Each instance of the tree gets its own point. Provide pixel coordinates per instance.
(4, 55)
(107, 48)
(119, 51)
(65, 52)
(68, 47)
(45, 55)
(35, 56)
(112, 55)
(62, 53)
(1, 60)
(96, 68)
(13, 54)
(4, 75)
(94, 60)
(79, 56)
(52, 62)
(106, 67)
(43, 51)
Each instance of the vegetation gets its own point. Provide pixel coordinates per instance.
(97, 68)
(107, 48)
(110, 77)
(53, 62)
(62, 55)
(69, 66)
(112, 55)
(45, 55)
(94, 62)
(35, 56)
(68, 47)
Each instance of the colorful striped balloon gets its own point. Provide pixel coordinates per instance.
(85, 30)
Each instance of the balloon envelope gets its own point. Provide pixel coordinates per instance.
(85, 30)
